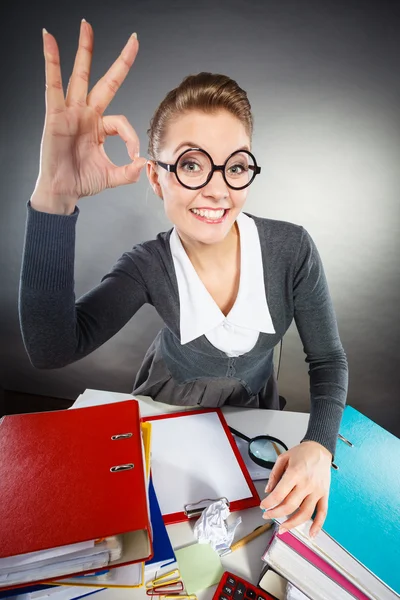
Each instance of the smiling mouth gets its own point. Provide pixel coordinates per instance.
(210, 215)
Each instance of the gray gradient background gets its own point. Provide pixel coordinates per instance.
(323, 80)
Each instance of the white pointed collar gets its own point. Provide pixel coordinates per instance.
(199, 313)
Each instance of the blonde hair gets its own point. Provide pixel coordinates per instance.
(207, 92)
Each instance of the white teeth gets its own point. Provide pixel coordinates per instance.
(209, 214)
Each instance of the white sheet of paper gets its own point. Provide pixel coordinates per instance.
(12, 562)
(62, 593)
(126, 576)
(95, 397)
(148, 407)
(192, 459)
(76, 565)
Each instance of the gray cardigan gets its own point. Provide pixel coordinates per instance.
(58, 330)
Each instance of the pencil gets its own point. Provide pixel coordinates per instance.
(276, 448)
(251, 536)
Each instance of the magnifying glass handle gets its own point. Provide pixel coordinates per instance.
(241, 435)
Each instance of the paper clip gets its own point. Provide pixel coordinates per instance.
(164, 580)
(166, 589)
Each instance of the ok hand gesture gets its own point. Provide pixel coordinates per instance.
(73, 162)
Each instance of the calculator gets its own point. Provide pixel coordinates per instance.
(232, 587)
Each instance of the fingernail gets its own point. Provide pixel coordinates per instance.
(84, 21)
(134, 35)
(282, 530)
(268, 486)
(44, 31)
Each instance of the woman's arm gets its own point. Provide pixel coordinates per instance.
(316, 322)
(300, 480)
(57, 330)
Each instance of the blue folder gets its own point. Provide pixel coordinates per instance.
(163, 551)
(364, 502)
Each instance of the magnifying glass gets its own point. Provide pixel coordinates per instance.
(263, 449)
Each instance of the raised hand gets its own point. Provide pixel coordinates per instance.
(73, 162)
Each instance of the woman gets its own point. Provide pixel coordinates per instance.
(226, 284)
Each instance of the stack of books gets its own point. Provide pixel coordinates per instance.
(357, 554)
(78, 509)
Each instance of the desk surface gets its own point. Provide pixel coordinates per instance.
(246, 561)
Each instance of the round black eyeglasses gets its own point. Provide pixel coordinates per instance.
(195, 167)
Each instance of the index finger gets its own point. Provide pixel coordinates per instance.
(106, 88)
(54, 89)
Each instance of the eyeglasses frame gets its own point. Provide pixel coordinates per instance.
(172, 168)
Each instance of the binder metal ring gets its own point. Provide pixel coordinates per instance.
(118, 468)
(121, 436)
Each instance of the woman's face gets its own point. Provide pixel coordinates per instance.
(219, 134)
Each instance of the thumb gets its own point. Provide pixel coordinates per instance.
(277, 472)
(127, 173)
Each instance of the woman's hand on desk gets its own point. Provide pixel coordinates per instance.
(300, 482)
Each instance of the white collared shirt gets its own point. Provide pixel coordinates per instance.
(238, 332)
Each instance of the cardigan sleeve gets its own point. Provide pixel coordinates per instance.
(316, 322)
(56, 329)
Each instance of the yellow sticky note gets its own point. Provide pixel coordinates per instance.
(200, 567)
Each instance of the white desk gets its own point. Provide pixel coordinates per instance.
(246, 562)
